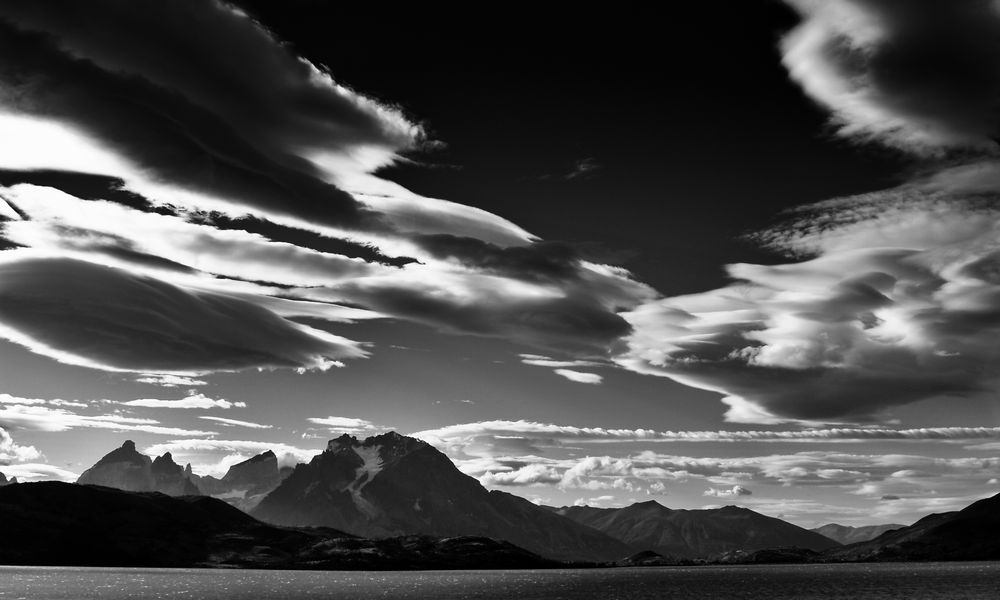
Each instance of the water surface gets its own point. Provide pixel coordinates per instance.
(802, 582)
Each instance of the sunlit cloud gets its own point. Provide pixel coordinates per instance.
(236, 423)
(195, 400)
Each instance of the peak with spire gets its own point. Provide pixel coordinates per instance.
(128, 469)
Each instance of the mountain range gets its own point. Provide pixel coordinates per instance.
(846, 534)
(391, 486)
(246, 483)
(243, 485)
(125, 468)
(694, 533)
(972, 533)
(5, 481)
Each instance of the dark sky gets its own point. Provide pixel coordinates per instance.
(698, 134)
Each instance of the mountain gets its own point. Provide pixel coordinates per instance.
(245, 483)
(846, 534)
(54, 523)
(5, 481)
(169, 478)
(694, 533)
(391, 485)
(972, 533)
(127, 469)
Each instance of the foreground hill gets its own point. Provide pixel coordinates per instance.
(972, 533)
(695, 533)
(846, 534)
(391, 485)
(53, 523)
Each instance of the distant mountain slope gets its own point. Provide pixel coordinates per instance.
(247, 482)
(5, 481)
(694, 533)
(972, 533)
(846, 534)
(125, 468)
(54, 523)
(391, 485)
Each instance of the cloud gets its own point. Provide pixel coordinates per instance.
(920, 76)
(583, 169)
(170, 381)
(193, 401)
(90, 315)
(580, 376)
(38, 415)
(236, 423)
(533, 474)
(529, 436)
(11, 452)
(539, 360)
(26, 472)
(229, 173)
(352, 426)
(897, 305)
(893, 298)
(736, 490)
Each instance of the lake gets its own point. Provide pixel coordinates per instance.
(978, 580)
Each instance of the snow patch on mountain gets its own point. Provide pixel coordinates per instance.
(372, 464)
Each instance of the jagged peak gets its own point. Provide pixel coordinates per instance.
(346, 440)
(165, 458)
(129, 445)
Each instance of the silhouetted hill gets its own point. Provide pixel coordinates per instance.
(5, 481)
(852, 535)
(53, 523)
(694, 533)
(972, 533)
(391, 485)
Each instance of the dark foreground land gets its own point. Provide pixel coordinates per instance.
(52, 523)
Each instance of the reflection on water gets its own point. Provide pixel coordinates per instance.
(855, 582)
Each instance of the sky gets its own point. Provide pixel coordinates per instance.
(737, 254)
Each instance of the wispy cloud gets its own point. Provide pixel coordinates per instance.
(51, 415)
(196, 400)
(580, 376)
(236, 423)
(920, 76)
(349, 425)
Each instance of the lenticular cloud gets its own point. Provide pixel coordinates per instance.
(896, 296)
(219, 186)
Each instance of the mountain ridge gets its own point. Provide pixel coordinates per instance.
(694, 533)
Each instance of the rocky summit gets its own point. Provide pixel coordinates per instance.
(390, 485)
(125, 468)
